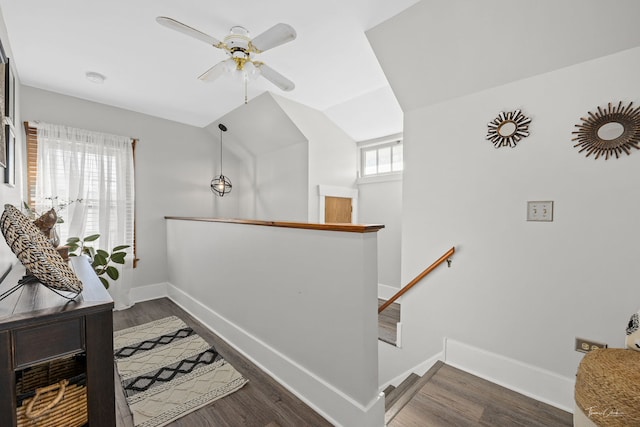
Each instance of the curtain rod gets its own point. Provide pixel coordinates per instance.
(36, 124)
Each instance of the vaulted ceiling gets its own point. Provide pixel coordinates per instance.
(154, 70)
(431, 51)
(443, 49)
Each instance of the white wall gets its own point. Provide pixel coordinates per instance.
(381, 203)
(332, 153)
(239, 165)
(174, 167)
(282, 184)
(12, 195)
(311, 325)
(523, 290)
(272, 170)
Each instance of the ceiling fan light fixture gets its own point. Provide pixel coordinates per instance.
(230, 65)
(251, 71)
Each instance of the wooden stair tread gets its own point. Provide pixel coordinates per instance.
(398, 398)
(388, 390)
(398, 392)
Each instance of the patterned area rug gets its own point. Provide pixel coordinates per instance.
(168, 371)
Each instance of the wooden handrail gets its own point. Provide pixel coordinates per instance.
(349, 228)
(419, 277)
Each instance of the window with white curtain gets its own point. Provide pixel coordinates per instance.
(89, 178)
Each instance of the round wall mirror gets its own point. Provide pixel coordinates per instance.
(508, 129)
(610, 131)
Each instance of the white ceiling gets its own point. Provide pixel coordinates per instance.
(467, 46)
(153, 70)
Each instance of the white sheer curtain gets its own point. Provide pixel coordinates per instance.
(96, 168)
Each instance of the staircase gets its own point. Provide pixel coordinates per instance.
(397, 398)
(388, 323)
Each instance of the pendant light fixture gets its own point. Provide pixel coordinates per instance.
(221, 184)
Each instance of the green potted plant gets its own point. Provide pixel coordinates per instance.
(101, 260)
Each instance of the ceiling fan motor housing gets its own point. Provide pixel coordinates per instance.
(238, 38)
(237, 43)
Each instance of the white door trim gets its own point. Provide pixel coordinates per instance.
(331, 191)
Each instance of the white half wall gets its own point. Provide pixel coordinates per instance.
(312, 326)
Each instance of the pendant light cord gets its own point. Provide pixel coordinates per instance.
(220, 151)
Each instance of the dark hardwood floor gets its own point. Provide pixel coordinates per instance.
(261, 403)
(451, 398)
(456, 398)
(387, 322)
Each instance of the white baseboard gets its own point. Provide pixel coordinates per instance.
(532, 381)
(385, 292)
(334, 405)
(148, 292)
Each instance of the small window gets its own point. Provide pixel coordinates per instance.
(381, 159)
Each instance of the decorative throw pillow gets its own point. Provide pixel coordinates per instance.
(633, 332)
(36, 253)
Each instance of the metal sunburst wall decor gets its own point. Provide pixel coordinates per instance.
(508, 129)
(609, 132)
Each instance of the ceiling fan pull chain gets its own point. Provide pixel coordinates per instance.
(245, 89)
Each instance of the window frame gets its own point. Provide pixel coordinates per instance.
(365, 147)
(31, 132)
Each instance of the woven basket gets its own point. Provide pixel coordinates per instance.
(608, 387)
(36, 253)
(53, 394)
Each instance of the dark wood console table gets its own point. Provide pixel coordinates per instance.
(36, 326)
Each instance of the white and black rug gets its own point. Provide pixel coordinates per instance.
(168, 371)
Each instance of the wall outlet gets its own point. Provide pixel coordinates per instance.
(585, 346)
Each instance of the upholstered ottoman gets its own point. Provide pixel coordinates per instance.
(608, 389)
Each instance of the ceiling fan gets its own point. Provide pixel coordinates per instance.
(241, 50)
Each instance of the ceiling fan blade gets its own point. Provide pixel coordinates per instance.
(185, 29)
(214, 72)
(276, 78)
(274, 36)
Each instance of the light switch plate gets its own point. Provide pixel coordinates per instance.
(540, 211)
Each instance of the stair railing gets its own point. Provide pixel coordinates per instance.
(419, 277)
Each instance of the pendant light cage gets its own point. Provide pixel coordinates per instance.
(221, 184)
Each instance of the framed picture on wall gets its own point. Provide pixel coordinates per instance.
(10, 169)
(9, 93)
(3, 140)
